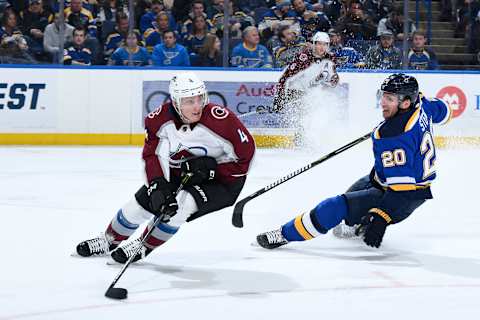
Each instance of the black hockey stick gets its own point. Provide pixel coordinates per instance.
(121, 293)
(237, 218)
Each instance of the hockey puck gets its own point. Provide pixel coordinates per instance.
(116, 293)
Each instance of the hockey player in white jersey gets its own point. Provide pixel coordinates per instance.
(198, 138)
(313, 67)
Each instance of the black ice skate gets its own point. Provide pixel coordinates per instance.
(272, 239)
(124, 252)
(98, 246)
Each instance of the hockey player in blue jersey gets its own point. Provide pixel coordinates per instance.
(404, 168)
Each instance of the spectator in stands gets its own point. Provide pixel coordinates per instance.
(345, 57)
(377, 9)
(9, 26)
(355, 24)
(290, 45)
(281, 12)
(198, 9)
(251, 54)
(210, 54)
(333, 9)
(130, 53)
(80, 17)
(181, 9)
(194, 40)
(153, 36)
(394, 23)
(239, 20)
(420, 57)
(77, 53)
(384, 55)
(14, 50)
(169, 53)
(51, 38)
(108, 10)
(147, 20)
(118, 35)
(35, 20)
(249, 6)
(310, 21)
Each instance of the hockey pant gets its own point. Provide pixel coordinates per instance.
(193, 202)
(349, 207)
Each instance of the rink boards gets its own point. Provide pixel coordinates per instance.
(105, 106)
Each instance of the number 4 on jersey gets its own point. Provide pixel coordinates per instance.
(243, 136)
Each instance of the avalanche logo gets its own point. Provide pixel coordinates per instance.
(184, 153)
(219, 112)
(455, 97)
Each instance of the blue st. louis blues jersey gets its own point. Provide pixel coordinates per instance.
(406, 161)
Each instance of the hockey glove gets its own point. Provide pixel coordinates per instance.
(373, 227)
(202, 169)
(162, 198)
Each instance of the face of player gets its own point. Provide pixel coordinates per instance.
(418, 41)
(192, 108)
(390, 104)
(320, 48)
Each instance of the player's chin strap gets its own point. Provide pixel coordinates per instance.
(121, 293)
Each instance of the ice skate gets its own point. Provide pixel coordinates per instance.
(98, 246)
(271, 239)
(125, 251)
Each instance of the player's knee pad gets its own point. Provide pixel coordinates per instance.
(186, 207)
(134, 213)
(328, 213)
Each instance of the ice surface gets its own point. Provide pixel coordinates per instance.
(52, 198)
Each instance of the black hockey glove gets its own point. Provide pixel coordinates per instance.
(373, 227)
(162, 198)
(202, 169)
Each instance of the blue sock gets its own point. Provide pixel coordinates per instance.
(323, 217)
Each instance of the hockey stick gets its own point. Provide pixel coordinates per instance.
(121, 293)
(237, 218)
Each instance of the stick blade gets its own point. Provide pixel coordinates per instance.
(237, 218)
(116, 293)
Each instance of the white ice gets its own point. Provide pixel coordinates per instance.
(53, 198)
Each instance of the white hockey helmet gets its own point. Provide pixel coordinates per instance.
(184, 85)
(321, 37)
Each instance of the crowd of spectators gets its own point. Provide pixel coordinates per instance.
(262, 33)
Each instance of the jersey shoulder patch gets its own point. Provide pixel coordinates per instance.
(219, 112)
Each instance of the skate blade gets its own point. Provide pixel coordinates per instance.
(111, 262)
